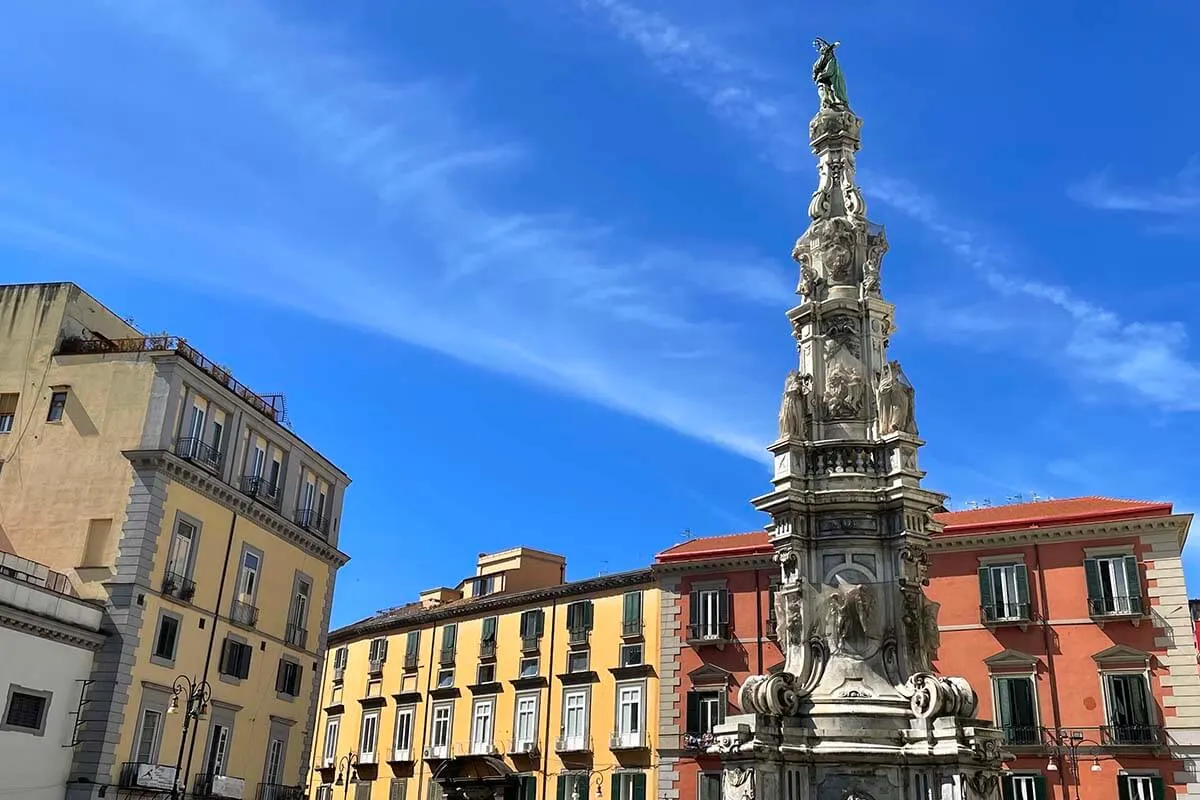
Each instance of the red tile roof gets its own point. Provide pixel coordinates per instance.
(1042, 513)
(1049, 512)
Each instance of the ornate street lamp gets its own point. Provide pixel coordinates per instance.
(1065, 744)
(196, 700)
(345, 764)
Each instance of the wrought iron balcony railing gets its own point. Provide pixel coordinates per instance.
(263, 489)
(1116, 606)
(243, 614)
(1022, 735)
(276, 791)
(1131, 735)
(487, 648)
(145, 776)
(708, 632)
(446, 656)
(313, 521)
(632, 627)
(1002, 613)
(410, 661)
(176, 585)
(530, 644)
(578, 635)
(207, 785)
(198, 451)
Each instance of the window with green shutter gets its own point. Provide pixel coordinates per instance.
(628, 786)
(1004, 593)
(412, 649)
(708, 617)
(1016, 712)
(487, 638)
(1023, 787)
(1114, 586)
(1140, 787)
(1130, 714)
(710, 786)
(532, 625)
(449, 642)
(572, 786)
(631, 614)
(579, 621)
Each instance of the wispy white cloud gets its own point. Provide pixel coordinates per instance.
(1178, 195)
(1148, 359)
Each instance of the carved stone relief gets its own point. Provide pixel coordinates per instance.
(842, 329)
(791, 410)
(849, 615)
(739, 784)
(843, 392)
(895, 401)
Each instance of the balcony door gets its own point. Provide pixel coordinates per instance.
(1129, 716)
(575, 720)
(218, 750)
(1016, 710)
(526, 720)
(629, 715)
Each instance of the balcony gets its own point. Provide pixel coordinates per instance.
(313, 521)
(218, 786)
(296, 636)
(578, 635)
(375, 666)
(487, 649)
(1131, 736)
(176, 585)
(275, 791)
(1022, 735)
(705, 633)
(410, 661)
(437, 751)
(199, 452)
(139, 775)
(270, 406)
(479, 749)
(243, 614)
(401, 756)
(635, 740)
(530, 644)
(260, 488)
(631, 628)
(572, 744)
(446, 656)
(1001, 613)
(1116, 607)
(698, 742)
(339, 674)
(522, 747)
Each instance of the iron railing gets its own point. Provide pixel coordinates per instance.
(277, 791)
(262, 488)
(530, 644)
(411, 660)
(1116, 606)
(128, 778)
(1022, 735)
(270, 406)
(177, 585)
(708, 632)
(204, 784)
(193, 448)
(35, 574)
(446, 656)
(632, 627)
(243, 614)
(296, 635)
(487, 648)
(311, 520)
(1131, 735)
(1000, 612)
(579, 635)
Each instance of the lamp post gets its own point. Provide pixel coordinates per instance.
(196, 696)
(1064, 746)
(344, 765)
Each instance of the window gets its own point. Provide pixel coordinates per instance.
(1141, 787)
(377, 655)
(487, 638)
(402, 742)
(577, 661)
(256, 459)
(486, 674)
(218, 748)
(298, 613)
(631, 655)
(1023, 787)
(631, 614)
(1114, 586)
(183, 542)
(149, 737)
(1016, 710)
(362, 790)
(485, 585)
(572, 786)
(481, 727)
(167, 638)
(308, 494)
(436, 792)
(532, 626)
(248, 579)
(529, 667)
(58, 404)
(332, 728)
(398, 789)
(1004, 592)
(772, 620)
(629, 716)
(368, 737)
(579, 621)
(445, 678)
(705, 709)
(8, 411)
(575, 720)
(711, 786)
(449, 641)
(275, 472)
(235, 659)
(412, 649)
(526, 725)
(287, 679)
(628, 786)
(709, 619)
(1130, 719)
(440, 737)
(339, 663)
(273, 774)
(526, 787)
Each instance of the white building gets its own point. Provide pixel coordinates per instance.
(47, 641)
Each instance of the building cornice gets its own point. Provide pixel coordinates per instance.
(206, 483)
(374, 626)
(46, 628)
(716, 564)
(1115, 529)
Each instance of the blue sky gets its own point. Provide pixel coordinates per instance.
(521, 267)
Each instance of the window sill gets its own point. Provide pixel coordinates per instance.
(578, 678)
(291, 698)
(169, 663)
(704, 641)
(632, 671)
(232, 680)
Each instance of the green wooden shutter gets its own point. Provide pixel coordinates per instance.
(280, 684)
(633, 608)
(530, 788)
(299, 671)
(723, 611)
(693, 713)
(1039, 787)
(1007, 792)
(1091, 573)
(1158, 788)
(1022, 576)
(986, 599)
(694, 611)
(1133, 577)
(616, 787)
(587, 614)
(489, 629)
(572, 616)
(1122, 787)
(412, 643)
(561, 793)
(639, 786)
(1004, 695)
(449, 636)
(539, 622)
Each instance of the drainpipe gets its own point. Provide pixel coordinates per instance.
(550, 701)
(212, 637)
(425, 716)
(1048, 641)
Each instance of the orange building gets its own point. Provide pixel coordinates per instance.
(1070, 618)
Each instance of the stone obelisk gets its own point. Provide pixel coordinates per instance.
(855, 711)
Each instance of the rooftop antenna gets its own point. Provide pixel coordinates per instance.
(687, 533)
(603, 568)
(987, 502)
(1034, 497)
(1016, 498)
(972, 505)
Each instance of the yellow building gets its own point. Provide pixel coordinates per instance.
(177, 497)
(514, 685)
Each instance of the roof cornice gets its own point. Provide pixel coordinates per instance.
(716, 563)
(373, 626)
(46, 628)
(1110, 529)
(204, 482)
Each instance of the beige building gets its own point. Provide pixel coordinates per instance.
(175, 496)
(512, 685)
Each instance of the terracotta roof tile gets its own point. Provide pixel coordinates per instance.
(714, 546)
(1049, 512)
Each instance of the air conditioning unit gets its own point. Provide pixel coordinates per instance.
(327, 763)
(432, 752)
(527, 747)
